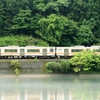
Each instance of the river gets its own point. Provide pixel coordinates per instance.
(50, 87)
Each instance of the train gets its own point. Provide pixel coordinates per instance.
(43, 52)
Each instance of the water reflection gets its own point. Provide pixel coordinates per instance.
(50, 87)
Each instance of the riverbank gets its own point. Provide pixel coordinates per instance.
(86, 76)
(41, 66)
(28, 66)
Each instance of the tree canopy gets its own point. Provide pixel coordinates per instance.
(58, 22)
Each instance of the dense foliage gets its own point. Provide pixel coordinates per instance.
(21, 40)
(58, 67)
(84, 62)
(57, 22)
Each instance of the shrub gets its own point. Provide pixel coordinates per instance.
(49, 67)
(15, 66)
(64, 66)
(52, 67)
(35, 60)
(85, 61)
(58, 67)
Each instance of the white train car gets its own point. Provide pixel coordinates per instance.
(76, 49)
(32, 51)
(96, 49)
(27, 52)
(71, 51)
(10, 51)
(43, 52)
(63, 51)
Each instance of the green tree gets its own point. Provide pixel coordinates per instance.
(25, 17)
(85, 61)
(86, 12)
(85, 36)
(21, 22)
(51, 28)
(9, 8)
(69, 35)
(47, 7)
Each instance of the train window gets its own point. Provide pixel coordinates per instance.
(44, 50)
(59, 49)
(76, 50)
(21, 50)
(97, 50)
(51, 49)
(65, 50)
(33, 50)
(10, 50)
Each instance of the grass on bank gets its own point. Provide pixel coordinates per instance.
(15, 66)
(21, 40)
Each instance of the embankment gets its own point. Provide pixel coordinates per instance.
(28, 66)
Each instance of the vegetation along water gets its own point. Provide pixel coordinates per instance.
(83, 62)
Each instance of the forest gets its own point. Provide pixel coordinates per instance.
(49, 22)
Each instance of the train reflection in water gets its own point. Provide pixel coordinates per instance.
(44, 95)
(50, 87)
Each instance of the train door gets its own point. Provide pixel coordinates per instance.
(66, 52)
(44, 52)
(22, 52)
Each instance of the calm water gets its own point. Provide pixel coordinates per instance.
(50, 87)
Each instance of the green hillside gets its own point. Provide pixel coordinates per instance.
(49, 22)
